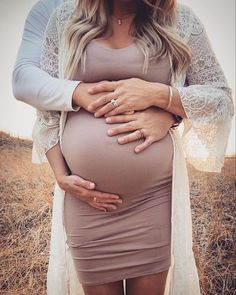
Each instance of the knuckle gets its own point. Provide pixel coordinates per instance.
(79, 189)
(150, 140)
(122, 139)
(117, 130)
(129, 104)
(104, 99)
(99, 195)
(82, 193)
(114, 119)
(83, 183)
(141, 147)
(111, 113)
(76, 182)
(129, 125)
(104, 85)
(111, 107)
(132, 137)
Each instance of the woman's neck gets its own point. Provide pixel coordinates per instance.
(121, 8)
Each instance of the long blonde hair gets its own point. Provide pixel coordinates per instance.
(152, 27)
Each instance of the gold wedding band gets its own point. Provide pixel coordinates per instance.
(141, 133)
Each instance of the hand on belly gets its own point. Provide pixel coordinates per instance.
(92, 154)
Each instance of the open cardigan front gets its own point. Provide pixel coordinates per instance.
(207, 101)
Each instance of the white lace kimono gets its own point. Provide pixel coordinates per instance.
(207, 101)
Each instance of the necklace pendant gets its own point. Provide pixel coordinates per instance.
(119, 21)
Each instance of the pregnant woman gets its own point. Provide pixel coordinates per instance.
(137, 46)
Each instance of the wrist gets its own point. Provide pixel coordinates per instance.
(61, 180)
(160, 95)
(77, 95)
(60, 176)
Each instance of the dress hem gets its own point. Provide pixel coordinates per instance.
(124, 277)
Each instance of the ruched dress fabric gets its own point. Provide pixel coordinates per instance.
(207, 100)
(135, 239)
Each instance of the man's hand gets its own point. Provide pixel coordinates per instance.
(82, 98)
(153, 122)
(84, 190)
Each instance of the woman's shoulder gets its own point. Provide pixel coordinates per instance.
(64, 11)
(188, 22)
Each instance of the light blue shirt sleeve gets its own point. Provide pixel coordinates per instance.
(31, 84)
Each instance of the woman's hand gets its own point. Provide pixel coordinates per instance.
(153, 122)
(130, 95)
(84, 190)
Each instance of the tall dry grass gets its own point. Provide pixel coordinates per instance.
(26, 203)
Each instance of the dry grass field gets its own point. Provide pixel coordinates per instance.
(26, 203)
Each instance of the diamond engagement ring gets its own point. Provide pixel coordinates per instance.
(114, 102)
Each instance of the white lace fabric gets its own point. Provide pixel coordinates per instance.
(207, 101)
(203, 89)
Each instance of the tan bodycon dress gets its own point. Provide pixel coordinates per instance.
(133, 240)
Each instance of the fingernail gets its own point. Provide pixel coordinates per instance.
(119, 201)
(137, 150)
(121, 140)
(96, 115)
(108, 120)
(91, 185)
(110, 132)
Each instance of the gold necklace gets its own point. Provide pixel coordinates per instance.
(120, 19)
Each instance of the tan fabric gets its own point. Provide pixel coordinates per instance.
(202, 87)
(135, 239)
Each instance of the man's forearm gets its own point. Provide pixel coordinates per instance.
(31, 84)
(38, 89)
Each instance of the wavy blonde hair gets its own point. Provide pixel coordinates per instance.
(153, 28)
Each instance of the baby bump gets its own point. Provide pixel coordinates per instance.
(95, 156)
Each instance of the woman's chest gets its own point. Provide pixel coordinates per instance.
(104, 63)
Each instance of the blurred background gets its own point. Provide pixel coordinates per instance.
(17, 118)
(25, 188)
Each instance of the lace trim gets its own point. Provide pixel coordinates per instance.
(205, 95)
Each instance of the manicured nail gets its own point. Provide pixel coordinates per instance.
(91, 185)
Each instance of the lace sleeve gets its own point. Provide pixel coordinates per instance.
(46, 128)
(208, 104)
